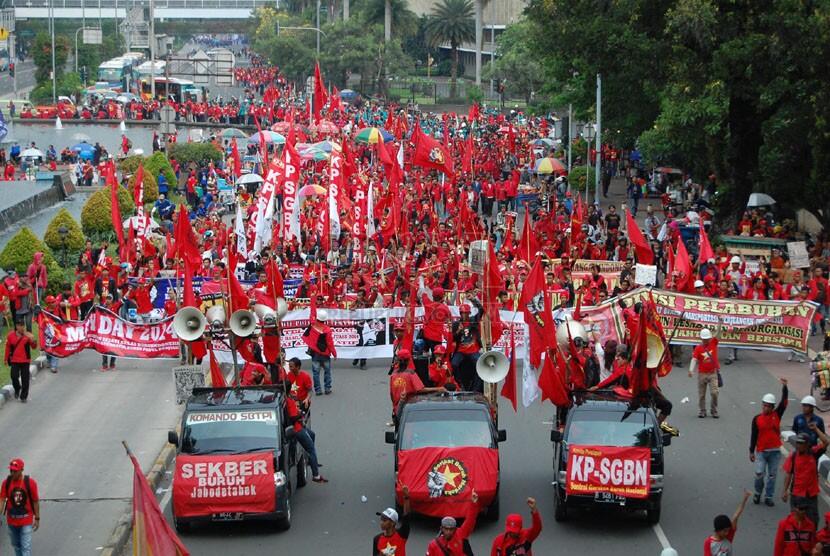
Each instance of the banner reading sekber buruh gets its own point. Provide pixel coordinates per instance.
(776, 325)
(621, 471)
(204, 485)
(105, 332)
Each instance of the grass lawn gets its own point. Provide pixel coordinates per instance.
(5, 376)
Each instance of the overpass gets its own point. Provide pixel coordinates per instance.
(164, 9)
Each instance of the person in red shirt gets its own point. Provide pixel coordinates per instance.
(436, 315)
(823, 534)
(21, 505)
(451, 541)
(318, 337)
(394, 531)
(304, 435)
(19, 345)
(85, 291)
(796, 533)
(705, 362)
(404, 382)
(801, 484)
(720, 542)
(440, 372)
(299, 383)
(515, 540)
(254, 374)
(765, 443)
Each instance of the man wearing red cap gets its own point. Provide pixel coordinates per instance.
(21, 506)
(436, 315)
(405, 382)
(515, 540)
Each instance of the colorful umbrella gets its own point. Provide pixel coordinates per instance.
(311, 190)
(373, 135)
(326, 146)
(544, 142)
(313, 154)
(325, 126)
(233, 132)
(548, 165)
(270, 137)
(284, 127)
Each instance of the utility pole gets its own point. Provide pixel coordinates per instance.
(570, 139)
(54, 75)
(153, 48)
(318, 29)
(345, 10)
(598, 167)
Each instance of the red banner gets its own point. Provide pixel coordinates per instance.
(106, 332)
(620, 471)
(441, 480)
(206, 485)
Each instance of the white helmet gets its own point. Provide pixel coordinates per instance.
(699, 283)
(705, 334)
(668, 552)
(735, 259)
(769, 398)
(808, 400)
(322, 315)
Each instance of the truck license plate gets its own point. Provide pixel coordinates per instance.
(227, 516)
(608, 498)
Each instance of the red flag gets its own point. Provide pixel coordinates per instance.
(537, 314)
(320, 93)
(429, 153)
(494, 283)
(186, 245)
(683, 266)
(117, 223)
(334, 100)
(236, 162)
(508, 389)
(274, 287)
(551, 381)
(217, 379)
(238, 297)
(263, 144)
(528, 245)
(151, 532)
(189, 297)
(644, 253)
(705, 251)
(467, 158)
(474, 112)
(138, 192)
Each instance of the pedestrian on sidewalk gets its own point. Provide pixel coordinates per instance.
(21, 506)
(705, 362)
(765, 444)
(720, 542)
(19, 344)
(516, 540)
(801, 487)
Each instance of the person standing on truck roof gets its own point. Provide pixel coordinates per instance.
(394, 531)
(515, 540)
(765, 443)
(304, 435)
(705, 362)
(720, 542)
(452, 540)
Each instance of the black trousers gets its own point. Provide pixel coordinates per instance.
(20, 379)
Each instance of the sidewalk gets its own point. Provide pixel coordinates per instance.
(69, 435)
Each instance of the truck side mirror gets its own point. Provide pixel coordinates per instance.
(390, 437)
(555, 436)
(173, 438)
(502, 435)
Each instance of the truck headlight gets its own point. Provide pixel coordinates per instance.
(279, 478)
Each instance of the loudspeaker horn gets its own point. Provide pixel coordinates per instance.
(243, 323)
(266, 314)
(656, 349)
(492, 367)
(282, 308)
(189, 324)
(216, 316)
(576, 331)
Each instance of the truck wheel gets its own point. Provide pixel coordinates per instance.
(181, 526)
(493, 509)
(653, 514)
(560, 512)
(302, 472)
(284, 524)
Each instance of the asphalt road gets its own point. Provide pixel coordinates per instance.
(69, 435)
(25, 73)
(706, 471)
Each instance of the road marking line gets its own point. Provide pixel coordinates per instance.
(166, 498)
(661, 535)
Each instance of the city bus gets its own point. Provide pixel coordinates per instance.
(115, 74)
(178, 89)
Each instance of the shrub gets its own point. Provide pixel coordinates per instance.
(20, 251)
(158, 164)
(185, 153)
(130, 164)
(577, 177)
(474, 94)
(151, 186)
(74, 236)
(96, 216)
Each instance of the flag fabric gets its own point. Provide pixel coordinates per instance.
(530, 384)
(429, 153)
(236, 294)
(239, 231)
(537, 314)
(551, 380)
(528, 245)
(467, 157)
(291, 191)
(152, 535)
(508, 389)
(138, 193)
(275, 285)
(705, 251)
(334, 100)
(217, 379)
(644, 253)
(320, 93)
(117, 222)
(236, 161)
(186, 245)
(683, 266)
(334, 193)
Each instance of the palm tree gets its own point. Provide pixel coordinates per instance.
(451, 21)
(392, 14)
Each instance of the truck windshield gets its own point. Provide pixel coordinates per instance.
(448, 429)
(208, 432)
(600, 428)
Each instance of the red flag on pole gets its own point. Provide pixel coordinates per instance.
(644, 253)
(236, 162)
(537, 314)
(551, 381)
(186, 245)
(429, 153)
(683, 266)
(138, 192)
(117, 223)
(151, 532)
(528, 245)
(320, 93)
(705, 248)
(217, 379)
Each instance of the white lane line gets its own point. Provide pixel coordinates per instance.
(661, 535)
(166, 499)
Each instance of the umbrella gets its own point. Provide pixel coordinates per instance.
(270, 137)
(284, 127)
(760, 200)
(669, 170)
(84, 150)
(543, 142)
(313, 154)
(347, 94)
(232, 132)
(325, 146)
(249, 178)
(325, 126)
(548, 165)
(311, 189)
(373, 135)
(80, 137)
(32, 153)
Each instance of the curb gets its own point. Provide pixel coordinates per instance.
(7, 391)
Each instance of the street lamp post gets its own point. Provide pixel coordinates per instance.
(588, 132)
(54, 76)
(63, 232)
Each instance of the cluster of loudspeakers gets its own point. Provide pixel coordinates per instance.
(190, 323)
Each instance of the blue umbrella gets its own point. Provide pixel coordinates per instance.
(84, 150)
(270, 137)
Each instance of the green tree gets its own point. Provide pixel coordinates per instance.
(400, 18)
(516, 62)
(452, 21)
(91, 55)
(186, 153)
(42, 54)
(74, 238)
(20, 251)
